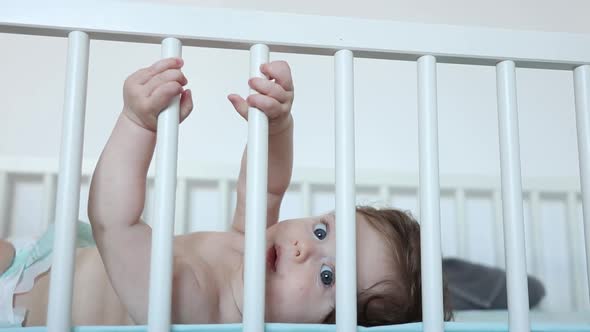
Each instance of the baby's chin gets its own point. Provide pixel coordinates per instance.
(271, 231)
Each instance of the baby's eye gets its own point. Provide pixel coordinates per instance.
(327, 275)
(320, 231)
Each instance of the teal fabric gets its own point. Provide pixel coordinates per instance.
(29, 253)
(413, 327)
(44, 247)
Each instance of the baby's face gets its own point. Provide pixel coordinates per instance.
(301, 270)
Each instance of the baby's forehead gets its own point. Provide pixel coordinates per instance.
(375, 256)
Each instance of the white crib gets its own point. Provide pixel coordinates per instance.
(35, 180)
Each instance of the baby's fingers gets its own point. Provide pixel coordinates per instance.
(271, 89)
(239, 104)
(280, 72)
(163, 77)
(145, 74)
(186, 104)
(269, 106)
(162, 96)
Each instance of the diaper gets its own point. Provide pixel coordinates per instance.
(32, 258)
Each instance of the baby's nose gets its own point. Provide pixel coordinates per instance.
(301, 251)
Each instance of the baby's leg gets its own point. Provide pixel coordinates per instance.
(6, 255)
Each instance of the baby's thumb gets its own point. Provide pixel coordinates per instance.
(239, 104)
(186, 104)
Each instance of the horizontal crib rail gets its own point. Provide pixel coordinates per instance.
(200, 171)
(148, 22)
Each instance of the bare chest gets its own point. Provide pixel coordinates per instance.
(209, 257)
(215, 260)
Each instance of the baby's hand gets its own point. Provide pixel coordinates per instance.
(275, 98)
(150, 90)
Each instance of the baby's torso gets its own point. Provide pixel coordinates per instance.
(209, 255)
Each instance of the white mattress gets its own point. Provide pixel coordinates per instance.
(579, 317)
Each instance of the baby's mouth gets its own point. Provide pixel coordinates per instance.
(272, 258)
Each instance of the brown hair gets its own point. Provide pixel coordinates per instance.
(398, 300)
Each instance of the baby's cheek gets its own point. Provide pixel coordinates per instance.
(305, 288)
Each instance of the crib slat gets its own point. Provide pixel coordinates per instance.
(256, 188)
(582, 95)
(498, 229)
(430, 242)
(536, 234)
(68, 188)
(181, 221)
(461, 226)
(3, 205)
(384, 195)
(346, 313)
(225, 221)
(574, 246)
(160, 289)
(306, 196)
(49, 187)
(516, 278)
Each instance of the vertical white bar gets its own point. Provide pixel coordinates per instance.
(3, 205)
(223, 188)
(68, 188)
(181, 222)
(516, 277)
(575, 250)
(431, 256)
(164, 206)
(498, 229)
(462, 226)
(49, 187)
(536, 237)
(582, 93)
(384, 194)
(256, 188)
(345, 192)
(306, 196)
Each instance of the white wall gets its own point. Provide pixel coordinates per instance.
(542, 15)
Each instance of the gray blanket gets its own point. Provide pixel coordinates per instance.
(475, 286)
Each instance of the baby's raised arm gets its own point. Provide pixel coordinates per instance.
(275, 99)
(117, 191)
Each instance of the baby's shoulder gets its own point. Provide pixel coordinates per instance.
(203, 245)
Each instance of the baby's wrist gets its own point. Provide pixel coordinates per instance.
(277, 128)
(132, 120)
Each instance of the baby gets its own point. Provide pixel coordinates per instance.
(111, 279)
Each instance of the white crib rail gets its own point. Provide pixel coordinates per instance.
(582, 92)
(516, 273)
(256, 198)
(346, 305)
(3, 205)
(160, 289)
(430, 242)
(68, 188)
(132, 21)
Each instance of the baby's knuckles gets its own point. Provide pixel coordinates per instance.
(137, 106)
